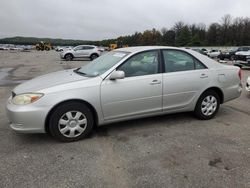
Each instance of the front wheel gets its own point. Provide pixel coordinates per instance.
(68, 57)
(71, 121)
(207, 105)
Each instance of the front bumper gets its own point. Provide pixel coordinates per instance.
(61, 55)
(240, 57)
(26, 118)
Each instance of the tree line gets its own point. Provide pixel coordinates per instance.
(228, 31)
(55, 42)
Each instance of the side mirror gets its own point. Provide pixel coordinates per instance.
(117, 75)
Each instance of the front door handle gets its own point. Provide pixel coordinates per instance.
(155, 82)
(203, 76)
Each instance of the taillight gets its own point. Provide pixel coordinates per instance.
(240, 74)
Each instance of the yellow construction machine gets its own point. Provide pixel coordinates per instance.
(44, 46)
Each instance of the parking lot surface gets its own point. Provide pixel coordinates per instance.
(164, 151)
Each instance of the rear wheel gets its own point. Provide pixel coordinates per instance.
(93, 56)
(68, 57)
(207, 105)
(71, 121)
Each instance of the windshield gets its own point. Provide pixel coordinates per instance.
(101, 64)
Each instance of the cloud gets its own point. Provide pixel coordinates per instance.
(97, 20)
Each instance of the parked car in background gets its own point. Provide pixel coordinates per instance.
(200, 51)
(123, 84)
(242, 55)
(81, 51)
(101, 48)
(214, 53)
(204, 50)
(58, 48)
(239, 49)
(248, 84)
(61, 48)
(230, 55)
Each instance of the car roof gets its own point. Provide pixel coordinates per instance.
(144, 48)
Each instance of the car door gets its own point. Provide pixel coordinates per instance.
(87, 51)
(183, 79)
(140, 92)
(79, 51)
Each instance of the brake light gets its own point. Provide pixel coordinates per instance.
(240, 74)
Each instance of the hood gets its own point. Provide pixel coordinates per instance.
(243, 53)
(49, 80)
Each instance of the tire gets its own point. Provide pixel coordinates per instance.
(207, 105)
(94, 56)
(71, 121)
(68, 57)
(221, 57)
(47, 49)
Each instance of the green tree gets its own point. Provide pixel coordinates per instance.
(184, 37)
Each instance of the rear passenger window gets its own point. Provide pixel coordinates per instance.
(176, 61)
(199, 65)
(88, 47)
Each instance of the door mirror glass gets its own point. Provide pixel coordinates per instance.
(117, 75)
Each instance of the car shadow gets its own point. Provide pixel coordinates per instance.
(34, 138)
(78, 59)
(104, 131)
(141, 123)
(168, 120)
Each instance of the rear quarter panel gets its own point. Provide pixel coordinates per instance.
(229, 81)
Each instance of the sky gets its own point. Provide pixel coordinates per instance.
(105, 19)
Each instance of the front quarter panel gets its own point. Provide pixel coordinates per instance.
(32, 117)
(86, 90)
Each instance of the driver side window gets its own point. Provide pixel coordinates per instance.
(144, 63)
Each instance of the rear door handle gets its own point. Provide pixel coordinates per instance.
(203, 75)
(154, 82)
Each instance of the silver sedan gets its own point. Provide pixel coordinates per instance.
(124, 84)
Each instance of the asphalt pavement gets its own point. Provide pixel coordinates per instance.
(173, 151)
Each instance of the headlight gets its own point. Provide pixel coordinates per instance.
(26, 98)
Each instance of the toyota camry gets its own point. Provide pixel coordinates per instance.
(124, 84)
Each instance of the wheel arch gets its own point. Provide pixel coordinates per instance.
(93, 110)
(218, 91)
(94, 54)
(68, 53)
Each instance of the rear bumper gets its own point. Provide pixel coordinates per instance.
(233, 92)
